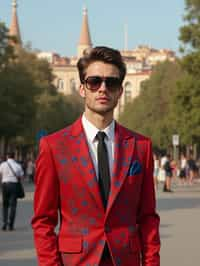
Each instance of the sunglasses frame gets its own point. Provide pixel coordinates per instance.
(106, 80)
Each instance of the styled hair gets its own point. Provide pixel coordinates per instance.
(103, 54)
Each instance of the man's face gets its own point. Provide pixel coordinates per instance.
(102, 100)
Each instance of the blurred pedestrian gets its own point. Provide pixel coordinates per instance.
(156, 170)
(183, 168)
(10, 171)
(169, 174)
(192, 169)
(30, 168)
(174, 168)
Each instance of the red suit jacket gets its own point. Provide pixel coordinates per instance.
(67, 193)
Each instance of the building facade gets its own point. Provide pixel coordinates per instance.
(139, 62)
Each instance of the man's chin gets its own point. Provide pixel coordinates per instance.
(103, 111)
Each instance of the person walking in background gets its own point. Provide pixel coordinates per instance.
(30, 168)
(10, 171)
(174, 168)
(156, 170)
(163, 160)
(183, 169)
(98, 176)
(192, 169)
(168, 172)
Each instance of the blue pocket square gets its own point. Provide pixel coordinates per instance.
(135, 168)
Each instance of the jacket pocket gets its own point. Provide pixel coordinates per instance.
(70, 244)
(135, 245)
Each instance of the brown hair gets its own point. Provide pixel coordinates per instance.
(104, 54)
(11, 154)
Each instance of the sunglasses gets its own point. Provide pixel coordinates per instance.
(93, 83)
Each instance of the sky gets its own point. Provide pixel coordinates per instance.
(54, 26)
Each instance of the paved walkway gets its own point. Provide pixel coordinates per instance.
(16, 247)
(180, 226)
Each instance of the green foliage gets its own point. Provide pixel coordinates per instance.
(190, 32)
(17, 90)
(6, 50)
(53, 110)
(187, 97)
(169, 101)
(29, 101)
(56, 111)
(149, 113)
(185, 109)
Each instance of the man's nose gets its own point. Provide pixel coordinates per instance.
(103, 86)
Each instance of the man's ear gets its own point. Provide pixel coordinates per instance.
(82, 90)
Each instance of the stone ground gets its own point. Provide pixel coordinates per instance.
(180, 229)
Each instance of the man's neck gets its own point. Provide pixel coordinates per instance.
(99, 121)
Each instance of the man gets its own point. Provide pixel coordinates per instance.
(10, 171)
(100, 184)
(30, 168)
(166, 165)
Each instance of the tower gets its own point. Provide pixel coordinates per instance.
(14, 26)
(85, 39)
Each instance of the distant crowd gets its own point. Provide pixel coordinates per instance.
(166, 168)
(187, 169)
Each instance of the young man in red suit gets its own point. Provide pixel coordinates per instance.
(97, 178)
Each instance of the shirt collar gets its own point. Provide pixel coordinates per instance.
(10, 160)
(91, 131)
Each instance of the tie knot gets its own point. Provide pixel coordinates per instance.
(101, 135)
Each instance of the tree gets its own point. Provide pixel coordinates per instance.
(190, 33)
(169, 101)
(53, 110)
(185, 109)
(29, 101)
(17, 92)
(150, 112)
(187, 98)
(23, 77)
(6, 50)
(56, 111)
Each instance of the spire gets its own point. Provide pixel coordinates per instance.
(14, 26)
(85, 33)
(85, 39)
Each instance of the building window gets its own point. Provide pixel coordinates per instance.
(60, 84)
(127, 92)
(72, 86)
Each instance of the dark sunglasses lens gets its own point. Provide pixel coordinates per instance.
(93, 83)
(113, 83)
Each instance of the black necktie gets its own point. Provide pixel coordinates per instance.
(103, 167)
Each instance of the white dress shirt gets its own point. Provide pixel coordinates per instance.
(7, 174)
(91, 132)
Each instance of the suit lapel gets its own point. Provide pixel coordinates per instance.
(124, 148)
(84, 160)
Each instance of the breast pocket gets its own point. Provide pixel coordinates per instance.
(132, 179)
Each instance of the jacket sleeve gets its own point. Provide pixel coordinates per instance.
(46, 205)
(148, 219)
